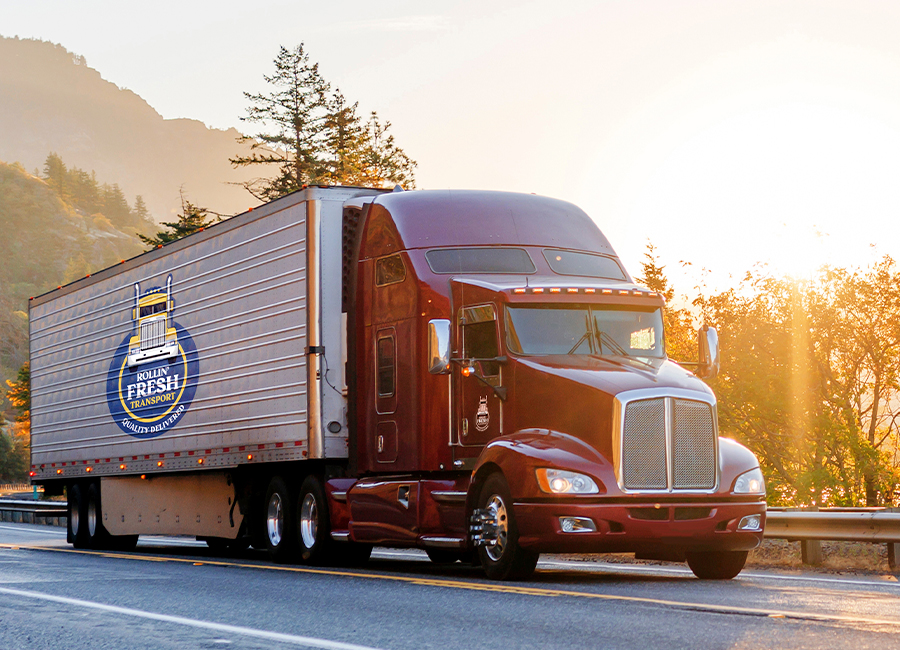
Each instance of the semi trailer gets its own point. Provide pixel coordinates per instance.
(470, 373)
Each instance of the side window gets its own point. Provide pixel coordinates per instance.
(386, 366)
(389, 270)
(479, 337)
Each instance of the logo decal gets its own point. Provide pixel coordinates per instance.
(153, 375)
(482, 416)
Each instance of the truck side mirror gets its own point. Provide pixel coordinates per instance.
(708, 342)
(439, 346)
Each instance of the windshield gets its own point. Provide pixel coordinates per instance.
(585, 329)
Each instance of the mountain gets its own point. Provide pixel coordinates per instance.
(52, 101)
(45, 242)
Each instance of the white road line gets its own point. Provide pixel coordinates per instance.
(307, 641)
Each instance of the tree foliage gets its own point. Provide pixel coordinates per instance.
(809, 381)
(192, 219)
(681, 336)
(15, 439)
(312, 135)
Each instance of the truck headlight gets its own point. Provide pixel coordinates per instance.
(751, 482)
(558, 481)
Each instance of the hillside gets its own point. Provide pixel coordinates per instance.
(47, 242)
(52, 101)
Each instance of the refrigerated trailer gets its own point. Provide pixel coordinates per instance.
(471, 373)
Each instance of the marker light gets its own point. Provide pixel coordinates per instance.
(518, 290)
(538, 290)
(751, 482)
(590, 290)
(606, 292)
(249, 456)
(199, 461)
(554, 289)
(571, 290)
(159, 463)
(88, 469)
(558, 481)
(623, 292)
(121, 466)
(59, 471)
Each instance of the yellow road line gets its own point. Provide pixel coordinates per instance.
(494, 587)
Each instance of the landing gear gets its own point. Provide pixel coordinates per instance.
(717, 565)
(497, 539)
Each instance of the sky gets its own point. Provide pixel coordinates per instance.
(732, 135)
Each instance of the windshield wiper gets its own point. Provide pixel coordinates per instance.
(618, 350)
(587, 336)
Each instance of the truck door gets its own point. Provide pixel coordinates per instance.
(478, 411)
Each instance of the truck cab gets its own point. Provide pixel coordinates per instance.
(514, 396)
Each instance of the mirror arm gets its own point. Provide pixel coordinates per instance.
(499, 391)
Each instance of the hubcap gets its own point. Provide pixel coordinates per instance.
(92, 517)
(498, 511)
(275, 520)
(309, 521)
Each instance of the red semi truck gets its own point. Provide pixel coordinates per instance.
(470, 373)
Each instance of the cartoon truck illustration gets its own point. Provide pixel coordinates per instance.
(155, 337)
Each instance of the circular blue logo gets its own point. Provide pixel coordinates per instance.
(152, 378)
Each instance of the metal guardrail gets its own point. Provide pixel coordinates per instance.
(843, 525)
(52, 513)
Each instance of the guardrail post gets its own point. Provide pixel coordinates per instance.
(893, 549)
(811, 552)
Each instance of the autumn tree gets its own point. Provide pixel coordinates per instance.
(15, 439)
(681, 337)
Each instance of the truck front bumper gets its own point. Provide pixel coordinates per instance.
(649, 529)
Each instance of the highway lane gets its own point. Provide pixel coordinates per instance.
(175, 593)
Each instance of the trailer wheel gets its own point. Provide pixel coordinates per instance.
(77, 530)
(717, 565)
(98, 538)
(505, 560)
(314, 523)
(279, 521)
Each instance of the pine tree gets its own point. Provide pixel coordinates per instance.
(345, 141)
(192, 219)
(384, 163)
(295, 113)
(56, 174)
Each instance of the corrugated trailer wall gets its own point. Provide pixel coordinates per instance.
(234, 390)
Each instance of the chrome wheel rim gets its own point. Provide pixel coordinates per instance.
(309, 520)
(498, 511)
(92, 517)
(275, 520)
(73, 517)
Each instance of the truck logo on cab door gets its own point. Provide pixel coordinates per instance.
(153, 374)
(482, 415)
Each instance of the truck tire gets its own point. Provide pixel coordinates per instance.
(77, 528)
(98, 538)
(278, 520)
(506, 560)
(314, 524)
(717, 565)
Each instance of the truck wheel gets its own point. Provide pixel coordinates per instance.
(77, 530)
(506, 560)
(313, 523)
(717, 565)
(279, 521)
(98, 538)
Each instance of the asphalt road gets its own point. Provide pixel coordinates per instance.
(174, 593)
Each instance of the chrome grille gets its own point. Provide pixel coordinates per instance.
(153, 334)
(644, 445)
(693, 440)
(668, 443)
